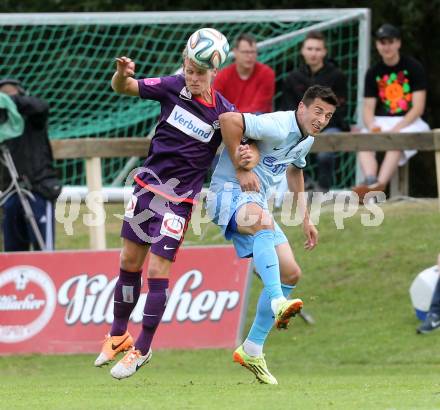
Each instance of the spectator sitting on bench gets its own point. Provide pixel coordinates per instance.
(394, 101)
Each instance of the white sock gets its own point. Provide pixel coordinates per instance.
(252, 349)
(275, 302)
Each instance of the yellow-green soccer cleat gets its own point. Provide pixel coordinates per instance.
(286, 310)
(256, 364)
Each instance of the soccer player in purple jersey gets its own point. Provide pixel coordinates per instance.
(181, 151)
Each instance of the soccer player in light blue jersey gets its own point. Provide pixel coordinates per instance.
(283, 140)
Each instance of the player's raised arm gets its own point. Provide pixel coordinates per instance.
(122, 81)
(243, 156)
(232, 127)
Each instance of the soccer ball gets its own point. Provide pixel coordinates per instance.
(208, 48)
(422, 290)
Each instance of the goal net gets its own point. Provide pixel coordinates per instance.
(68, 60)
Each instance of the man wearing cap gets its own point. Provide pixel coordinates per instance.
(32, 156)
(394, 101)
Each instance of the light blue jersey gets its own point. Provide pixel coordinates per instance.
(280, 143)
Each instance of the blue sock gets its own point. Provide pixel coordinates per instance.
(264, 318)
(266, 262)
(287, 289)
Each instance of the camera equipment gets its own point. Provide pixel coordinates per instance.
(13, 127)
(3, 115)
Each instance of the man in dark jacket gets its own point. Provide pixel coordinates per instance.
(32, 156)
(318, 70)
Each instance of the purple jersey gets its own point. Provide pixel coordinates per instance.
(186, 139)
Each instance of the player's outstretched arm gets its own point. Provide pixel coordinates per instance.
(232, 127)
(122, 81)
(295, 181)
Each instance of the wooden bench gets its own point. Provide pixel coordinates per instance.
(92, 150)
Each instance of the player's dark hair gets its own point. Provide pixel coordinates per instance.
(326, 94)
(249, 38)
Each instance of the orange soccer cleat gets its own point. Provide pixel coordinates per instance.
(112, 346)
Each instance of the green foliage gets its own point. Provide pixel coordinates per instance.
(70, 66)
(418, 19)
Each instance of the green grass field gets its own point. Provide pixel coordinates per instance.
(362, 353)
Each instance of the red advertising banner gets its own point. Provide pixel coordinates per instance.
(62, 302)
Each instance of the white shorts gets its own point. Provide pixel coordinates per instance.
(387, 123)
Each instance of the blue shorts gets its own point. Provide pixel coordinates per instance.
(222, 208)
